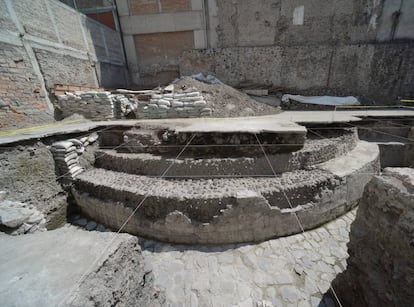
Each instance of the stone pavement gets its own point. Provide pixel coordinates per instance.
(291, 271)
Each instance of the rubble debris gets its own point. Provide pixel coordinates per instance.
(17, 218)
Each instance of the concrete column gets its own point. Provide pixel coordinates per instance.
(200, 36)
(123, 7)
(200, 39)
(104, 41)
(213, 22)
(132, 57)
(197, 5)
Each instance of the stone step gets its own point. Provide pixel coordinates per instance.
(315, 151)
(169, 194)
(218, 137)
(227, 210)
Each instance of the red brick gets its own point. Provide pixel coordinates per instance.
(73, 88)
(162, 48)
(40, 106)
(59, 92)
(60, 87)
(170, 6)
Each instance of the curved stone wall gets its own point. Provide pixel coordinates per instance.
(313, 152)
(218, 211)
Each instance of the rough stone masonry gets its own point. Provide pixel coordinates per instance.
(381, 264)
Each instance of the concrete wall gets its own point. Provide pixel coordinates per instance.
(44, 43)
(156, 32)
(358, 47)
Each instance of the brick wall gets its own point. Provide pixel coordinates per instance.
(61, 89)
(158, 55)
(139, 7)
(61, 46)
(168, 6)
(162, 48)
(21, 98)
(144, 7)
(64, 69)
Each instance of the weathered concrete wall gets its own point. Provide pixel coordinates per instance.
(381, 264)
(299, 22)
(45, 43)
(337, 47)
(156, 33)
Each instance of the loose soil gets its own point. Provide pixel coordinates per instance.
(226, 101)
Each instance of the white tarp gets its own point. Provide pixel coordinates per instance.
(323, 100)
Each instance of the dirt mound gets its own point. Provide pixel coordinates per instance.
(227, 101)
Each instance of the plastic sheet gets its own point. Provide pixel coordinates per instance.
(323, 100)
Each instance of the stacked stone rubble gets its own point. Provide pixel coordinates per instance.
(91, 104)
(188, 103)
(155, 104)
(18, 218)
(66, 158)
(124, 107)
(66, 155)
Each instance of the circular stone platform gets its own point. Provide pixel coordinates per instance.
(231, 199)
(315, 150)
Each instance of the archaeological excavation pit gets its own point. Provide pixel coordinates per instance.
(171, 186)
(206, 153)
